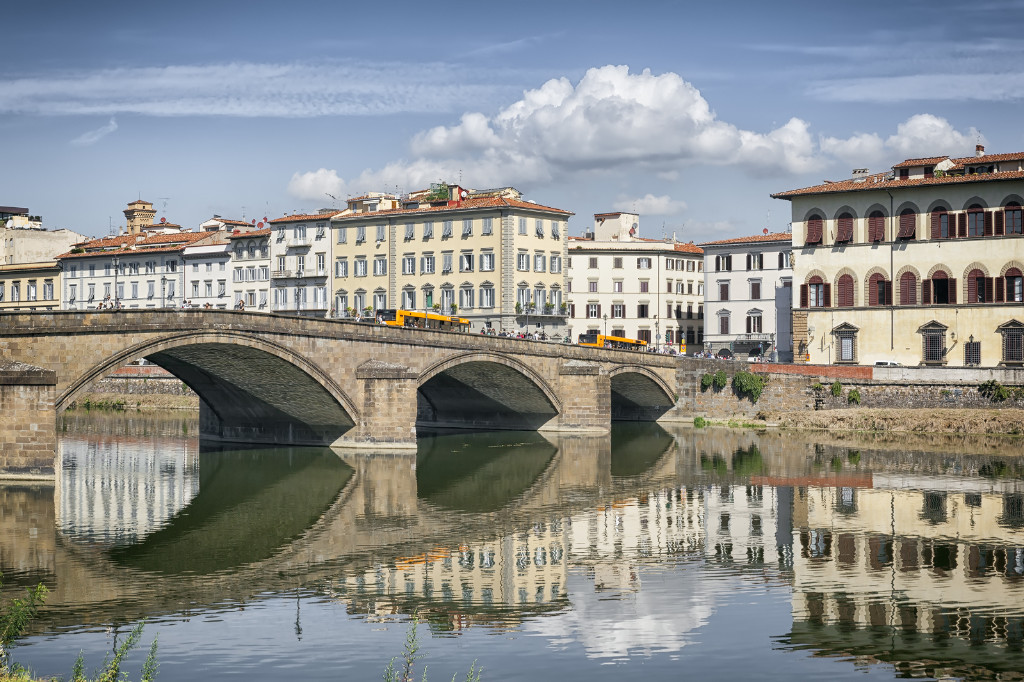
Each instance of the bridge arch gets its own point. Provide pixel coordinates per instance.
(251, 389)
(481, 389)
(639, 394)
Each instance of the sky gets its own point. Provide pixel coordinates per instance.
(690, 114)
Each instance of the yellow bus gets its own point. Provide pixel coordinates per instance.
(619, 342)
(417, 319)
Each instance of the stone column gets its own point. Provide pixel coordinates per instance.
(586, 395)
(387, 409)
(28, 421)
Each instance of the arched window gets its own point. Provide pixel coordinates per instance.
(879, 290)
(876, 227)
(941, 226)
(976, 221)
(815, 229)
(844, 295)
(908, 224)
(1012, 283)
(816, 293)
(940, 289)
(844, 229)
(908, 289)
(980, 288)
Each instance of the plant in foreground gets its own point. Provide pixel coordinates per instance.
(409, 657)
(14, 618)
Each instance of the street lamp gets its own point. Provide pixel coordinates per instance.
(605, 316)
(117, 300)
(657, 334)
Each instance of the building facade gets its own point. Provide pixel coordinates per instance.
(30, 286)
(488, 256)
(748, 296)
(300, 253)
(250, 256)
(23, 239)
(623, 285)
(920, 265)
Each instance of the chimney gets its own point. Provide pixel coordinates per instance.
(979, 150)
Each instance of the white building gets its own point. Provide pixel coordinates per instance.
(250, 256)
(620, 284)
(748, 285)
(300, 250)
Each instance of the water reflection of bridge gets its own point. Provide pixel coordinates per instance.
(393, 534)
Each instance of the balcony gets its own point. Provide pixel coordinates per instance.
(298, 242)
(281, 274)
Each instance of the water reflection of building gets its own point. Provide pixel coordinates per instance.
(114, 492)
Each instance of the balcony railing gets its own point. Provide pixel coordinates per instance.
(281, 274)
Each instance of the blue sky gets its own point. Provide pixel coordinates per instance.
(689, 113)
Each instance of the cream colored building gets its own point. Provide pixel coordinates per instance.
(485, 255)
(23, 239)
(920, 265)
(30, 286)
(620, 284)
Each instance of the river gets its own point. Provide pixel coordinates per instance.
(667, 554)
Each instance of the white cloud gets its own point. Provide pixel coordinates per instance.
(651, 205)
(93, 136)
(920, 135)
(611, 121)
(316, 184)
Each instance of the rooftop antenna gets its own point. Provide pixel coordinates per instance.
(334, 198)
(164, 200)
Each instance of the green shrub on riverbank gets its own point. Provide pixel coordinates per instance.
(748, 384)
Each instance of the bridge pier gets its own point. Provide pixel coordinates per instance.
(387, 411)
(586, 397)
(28, 422)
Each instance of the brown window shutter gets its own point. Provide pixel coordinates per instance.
(572, 310)
(926, 291)
(952, 290)
(888, 292)
(936, 234)
(599, 310)
(748, 261)
(961, 225)
(827, 295)
(988, 223)
(972, 289)
(748, 324)
(904, 290)
(845, 229)
(999, 223)
(908, 224)
(1000, 282)
(803, 295)
(988, 290)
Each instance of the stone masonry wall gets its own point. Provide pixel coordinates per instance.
(28, 433)
(782, 392)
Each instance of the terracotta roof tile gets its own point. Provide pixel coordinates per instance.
(884, 182)
(988, 158)
(156, 243)
(929, 161)
(689, 248)
(464, 205)
(251, 233)
(753, 239)
(304, 217)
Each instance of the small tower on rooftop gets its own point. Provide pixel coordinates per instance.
(139, 215)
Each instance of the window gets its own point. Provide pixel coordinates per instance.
(359, 268)
(617, 286)
(341, 267)
(195, 289)
(380, 266)
(593, 311)
(723, 324)
(427, 264)
(556, 263)
(908, 224)
(47, 290)
(466, 298)
(815, 229)
(940, 289)
(617, 262)
(1013, 289)
(539, 228)
(487, 261)
(321, 230)
(876, 227)
(979, 287)
(321, 264)
(428, 230)
(879, 290)
(1013, 342)
(592, 263)
(641, 310)
(466, 262)
(844, 295)
(755, 261)
(523, 261)
(754, 323)
(446, 230)
(618, 310)
(815, 294)
(410, 231)
(523, 297)
(539, 262)
(723, 291)
(643, 263)
(488, 228)
(207, 289)
(644, 286)
(908, 289)
(940, 227)
(846, 343)
(360, 234)
(592, 286)
(976, 219)
(755, 291)
(408, 264)
(723, 263)
(300, 265)
(844, 230)
(972, 353)
(381, 233)
(522, 226)
(1012, 215)
(150, 290)
(486, 297)
(409, 299)
(933, 341)
(380, 300)
(447, 258)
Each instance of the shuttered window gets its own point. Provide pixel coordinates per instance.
(940, 227)
(844, 295)
(815, 228)
(1012, 218)
(908, 224)
(908, 289)
(879, 290)
(844, 233)
(876, 227)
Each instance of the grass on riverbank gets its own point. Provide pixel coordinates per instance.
(141, 402)
(1007, 421)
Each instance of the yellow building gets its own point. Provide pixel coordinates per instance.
(30, 286)
(489, 256)
(920, 265)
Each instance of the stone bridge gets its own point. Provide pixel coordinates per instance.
(266, 378)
